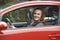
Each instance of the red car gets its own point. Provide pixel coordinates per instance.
(17, 25)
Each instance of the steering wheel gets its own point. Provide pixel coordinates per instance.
(10, 24)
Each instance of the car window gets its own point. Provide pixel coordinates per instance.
(26, 16)
(18, 15)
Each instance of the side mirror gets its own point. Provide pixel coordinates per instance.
(3, 26)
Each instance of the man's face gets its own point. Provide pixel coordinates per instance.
(37, 14)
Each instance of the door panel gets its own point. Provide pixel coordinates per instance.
(36, 35)
(33, 33)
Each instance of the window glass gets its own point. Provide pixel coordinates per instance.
(18, 15)
(38, 15)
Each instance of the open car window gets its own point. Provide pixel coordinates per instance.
(22, 17)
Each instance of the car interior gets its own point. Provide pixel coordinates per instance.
(21, 17)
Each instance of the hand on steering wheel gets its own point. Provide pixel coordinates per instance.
(10, 24)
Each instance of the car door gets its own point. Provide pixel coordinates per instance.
(20, 16)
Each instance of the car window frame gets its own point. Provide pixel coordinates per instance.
(9, 10)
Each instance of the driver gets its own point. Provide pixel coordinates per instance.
(38, 17)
